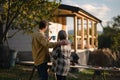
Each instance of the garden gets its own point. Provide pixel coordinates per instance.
(16, 15)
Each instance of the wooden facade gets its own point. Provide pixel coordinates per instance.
(85, 26)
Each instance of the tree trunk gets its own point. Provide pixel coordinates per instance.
(4, 57)
(1, 32)
(4, 50)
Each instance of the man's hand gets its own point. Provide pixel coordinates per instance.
(49, 38)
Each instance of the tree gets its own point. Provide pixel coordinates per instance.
(116, 38)
(111, 35)
(116, 22)
(24, 14)
(105, 40)
(110, 38)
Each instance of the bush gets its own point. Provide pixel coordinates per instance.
(102, 57)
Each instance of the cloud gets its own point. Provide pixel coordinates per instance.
(97, 10)
(70, 2)
(112, 0)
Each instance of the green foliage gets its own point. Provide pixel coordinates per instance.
(116, 21)
(110, 38)
(71, 38)
(106, 39)
(116, 45)
(25, 14)
(21, 72)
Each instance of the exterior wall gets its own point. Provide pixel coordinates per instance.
(54, 28)
(20, 41)
(83, 56)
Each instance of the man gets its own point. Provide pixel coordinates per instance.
(40, 50)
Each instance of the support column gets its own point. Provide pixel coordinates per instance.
(75, 33)
(59, 20)
(64, 23)
(93, 35)
(88, 39)
(96, 36)
(82, 33)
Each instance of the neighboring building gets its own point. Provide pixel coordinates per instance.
(84, 31)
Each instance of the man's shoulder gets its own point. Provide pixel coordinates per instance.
(36, 34)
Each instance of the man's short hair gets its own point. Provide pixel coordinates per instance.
(43, 24)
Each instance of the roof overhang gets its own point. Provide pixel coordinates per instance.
(78, 11)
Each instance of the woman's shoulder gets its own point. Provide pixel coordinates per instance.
(67, 46)
(69, 43)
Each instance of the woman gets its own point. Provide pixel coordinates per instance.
(61, 57)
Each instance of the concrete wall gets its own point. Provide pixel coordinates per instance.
(83, 57)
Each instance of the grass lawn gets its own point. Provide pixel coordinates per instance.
(23, 73)
(16, 73)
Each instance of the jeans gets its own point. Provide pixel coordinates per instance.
(59, 77)
(42, 71)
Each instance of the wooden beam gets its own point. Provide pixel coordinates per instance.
(96, 36)
(75, 33)
(88, 39)
(64, 23)
(82, 33)
(88, 17)
(93, 34)
(66, 15)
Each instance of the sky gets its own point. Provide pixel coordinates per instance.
(104, 10)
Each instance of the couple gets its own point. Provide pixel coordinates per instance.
(61, 53)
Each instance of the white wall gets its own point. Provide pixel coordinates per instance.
(54, 28)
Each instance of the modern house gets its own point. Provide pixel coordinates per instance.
(84, 35)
